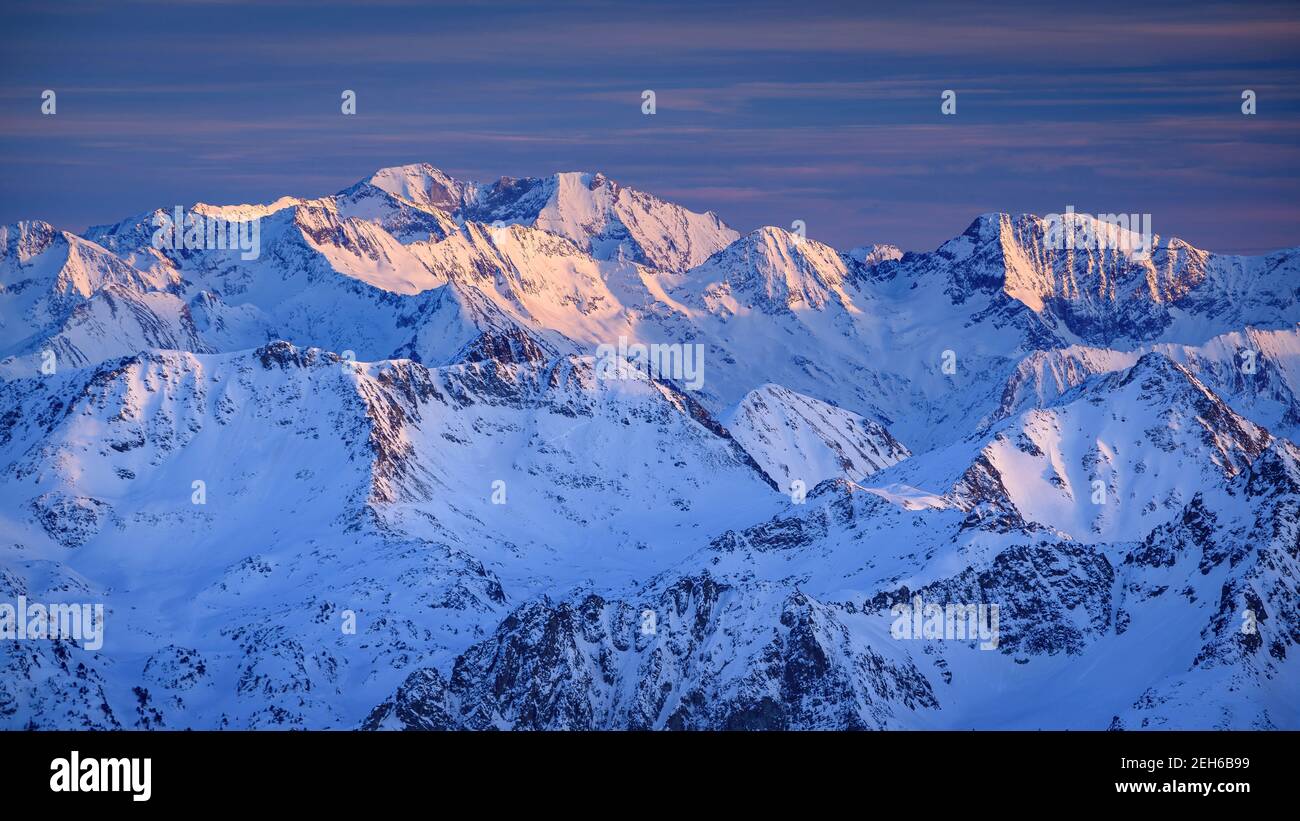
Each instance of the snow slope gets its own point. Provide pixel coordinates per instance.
(376, 476)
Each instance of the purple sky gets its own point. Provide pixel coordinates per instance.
(768, 112)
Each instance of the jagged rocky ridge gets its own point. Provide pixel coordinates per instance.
(396, 422)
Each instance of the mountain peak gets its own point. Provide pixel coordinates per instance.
(422, 184)
(774, 242)
(588, 179)
(396, 356)
(874, 254)
(1157, 374)
(774, 269)
(26, 238)
(604, 218)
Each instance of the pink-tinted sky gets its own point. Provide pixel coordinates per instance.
(768, 112)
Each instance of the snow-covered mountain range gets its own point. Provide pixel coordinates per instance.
(377, 477)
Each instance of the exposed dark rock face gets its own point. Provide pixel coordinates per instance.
(685, 660)
(1051, 597)
(373, 476)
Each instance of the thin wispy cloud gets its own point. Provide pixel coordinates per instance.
(782, 113)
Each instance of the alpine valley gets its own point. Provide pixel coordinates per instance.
(374, 477)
